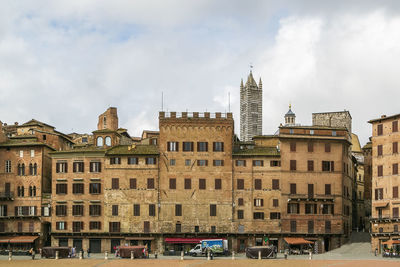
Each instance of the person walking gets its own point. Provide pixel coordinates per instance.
(88, 252)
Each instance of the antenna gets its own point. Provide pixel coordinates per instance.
(251, 66)
(229, 101)
(162, 101)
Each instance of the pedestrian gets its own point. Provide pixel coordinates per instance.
(32, 252)
(88, 252)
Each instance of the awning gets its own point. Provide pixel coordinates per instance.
(172, 240)
(297, 241)
(5, 239)
(23, 239)
(380, 205)
(139, 238)
(391, 242)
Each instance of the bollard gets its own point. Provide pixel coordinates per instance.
(208, 255)
(56, 254)
(155, 255)
(132, 257)
(259, 254)
(285, 254)
(233, 255)
(80, 255)
(10, 255)
(106, 255)
(182, 255)
(310, 255)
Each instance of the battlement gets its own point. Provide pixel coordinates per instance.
(199, 115)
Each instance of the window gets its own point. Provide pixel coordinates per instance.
(257, 184)
(395, 148)
(95, 210)
(380, 150)
(61, 188)
(108, 141)
(310, 190)
(293, 189)
(275, 215)
(188, 162)
(61, 210)
(333, 133)
(275, 163)
(259, 202)
(378, 193)
(21, 153)
(133, 160)
(241, 163)
(77, 210)
(293, 226)
(213, 229)
(8, 166)
(146, 226)
(258, 163)
(328, 166)
(114, 210)
(188, 183)
(395, 192)
(150, 183)
(136, 210)
(218, 162)
(3, 210)
(172, 183)
(99, 141)
(202, 146)
(327, 147)
(178, 228)
(213, 210)
(78, 167)
(178, 210)
(95, 225)
(172, 146)
(202, 184)
(292, 147)
(172, 162)
(327, 227)
(115, 160)
(152, 210)
(395, 168)
(115, 183)
(132, 183)
(84, 139)
(202, 162)
(258, 215)
(94, 188)
(196, 229)
(311, 208)
(32, 169)
(32, 153)
(77, 188)
(327, 189)
(44, 137)
(275, 202)
(240, 184)
(292, 165)
(395, 212)
(310, 227)
(327, 209)
(218, 184)
(395, 126)
(21, 169)
(395, 228)
(95, 166)
(310, 165)
(187, 146)
(61, 225)
(380, 129)
(240, 214)
(275, 184)
(380, 170)
(32, 191)
(240, 202)
(153, 141)
(293, 208)
(310, 147)
(114, 227)
(218, 146)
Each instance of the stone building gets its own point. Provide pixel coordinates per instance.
(25, 190)
(367, 153)
(340, 119)
(385, 185)
(250, 108)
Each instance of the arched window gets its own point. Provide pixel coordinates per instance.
(99, 141)
(19, 169)
(23, 168)
(30, 169)
(35, 169)
(22, 191)
(105, 122)
(30, 191)
(34, 191)
(108, 141)
(19, 191)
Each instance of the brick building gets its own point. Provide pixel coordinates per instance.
(385, 184)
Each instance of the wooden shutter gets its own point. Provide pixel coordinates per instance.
(57, 167)
(395, 191)
(168, 146)
(310, 147)
(380, 129)
(257, 184)
(380, 150)
(395, 126)
(395, 147)
(188, 183)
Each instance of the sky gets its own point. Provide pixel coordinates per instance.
(65, 62)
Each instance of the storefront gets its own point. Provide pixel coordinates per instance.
(174, 246)
(298, 245)
(18, 244)
(141, 241)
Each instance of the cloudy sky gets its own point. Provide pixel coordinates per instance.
(64, 62)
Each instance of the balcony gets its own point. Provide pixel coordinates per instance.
(6, 196)
(308, 197)
(384, 218)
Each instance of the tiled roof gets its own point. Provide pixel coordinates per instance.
(133, 150)
(257, 151)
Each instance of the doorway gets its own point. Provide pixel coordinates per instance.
(77, 243)
(326, 244)
(114, 244)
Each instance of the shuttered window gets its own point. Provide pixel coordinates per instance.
(293, 189)
(395, 191)
(395, 148)
(292, 165)
(172, 183)
(395, 126)
(115, 183)
(188, 183)
(150, 183)
(380, 150)
(380, 170)
(310, 165)
(240, 184)
(136, 210)
(257, 184)
(395, 168)
(132, 183)
(380, 129)
(213, 210)
(275, 184)
(218, 184)
(202, 184)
